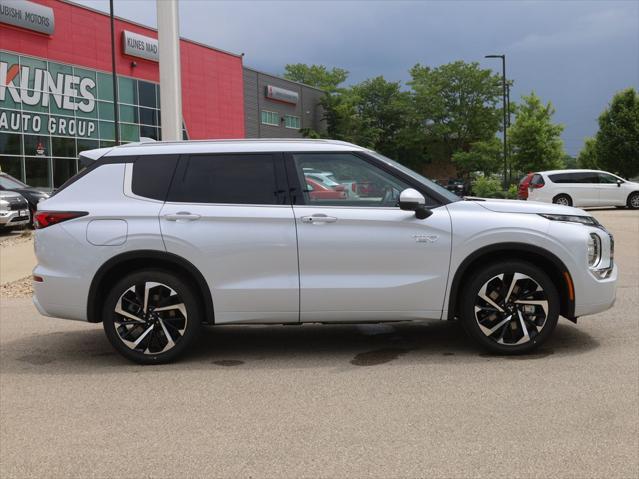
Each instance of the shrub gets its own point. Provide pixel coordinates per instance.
(484, 187)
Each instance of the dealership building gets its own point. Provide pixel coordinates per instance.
(57, 99)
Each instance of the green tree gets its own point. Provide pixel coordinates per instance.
(316, 75)
(372, 113)
(456, 104)
(617, 143)
(535, 140)
(485, 156)
(587, 157)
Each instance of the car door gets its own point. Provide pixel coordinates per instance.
(229, 215)
(611, 190)
(361, 258)
(586, 189)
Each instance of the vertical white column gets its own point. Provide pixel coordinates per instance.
(170, 69)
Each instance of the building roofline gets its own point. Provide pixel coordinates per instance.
(281, 78)
(126, 20)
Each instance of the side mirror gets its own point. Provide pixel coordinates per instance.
(619, 183)
(413, 200)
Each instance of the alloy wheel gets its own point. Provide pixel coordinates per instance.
(511, 309)
(562, 200)
(634, 201)
(150, 318)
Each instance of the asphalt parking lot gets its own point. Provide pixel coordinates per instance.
(407, 400)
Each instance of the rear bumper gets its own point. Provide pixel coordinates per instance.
(60, 297)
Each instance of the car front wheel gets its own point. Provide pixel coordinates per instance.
(511, 307)
(633, 200)
(151, 317)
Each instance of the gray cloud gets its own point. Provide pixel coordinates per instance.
(573, 53)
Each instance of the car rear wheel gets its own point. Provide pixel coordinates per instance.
(564, 200)
(633, 200)
(511, 307)
(151, 317)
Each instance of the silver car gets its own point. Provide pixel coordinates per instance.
(155, 240)
(14, 210)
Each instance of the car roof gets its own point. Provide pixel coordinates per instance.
(552, 172)
(224, 146)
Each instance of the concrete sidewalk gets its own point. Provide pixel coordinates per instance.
(16, 261)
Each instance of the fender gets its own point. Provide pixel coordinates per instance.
(145, 257)
(561, 278)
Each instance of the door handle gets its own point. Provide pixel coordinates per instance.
(318, 218)
(181, 216)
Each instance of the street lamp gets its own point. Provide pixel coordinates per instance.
(505, 107)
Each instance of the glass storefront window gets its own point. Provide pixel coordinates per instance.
(37, 172)
(63, 146)
(105, 111)
(10, 144)
(12, 165)
(147, 94)
(63, 169)
(127, 90)
(40, 141)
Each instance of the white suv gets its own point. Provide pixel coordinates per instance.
(583, 188)
(154, 240)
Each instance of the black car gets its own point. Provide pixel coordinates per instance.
(32, 195)
(458, 186)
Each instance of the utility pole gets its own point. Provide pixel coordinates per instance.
(170, 69)
(505, 102)
(116, 106)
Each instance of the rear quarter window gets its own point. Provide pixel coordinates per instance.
(152, 176)
(537, 180)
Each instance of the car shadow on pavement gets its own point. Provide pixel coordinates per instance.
(281, 347)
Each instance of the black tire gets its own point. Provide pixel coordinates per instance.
(510, 333)
(152, 325)
(633, 200)
(562, 200)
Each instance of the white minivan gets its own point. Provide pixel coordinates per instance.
(155, 240)
(583, 188)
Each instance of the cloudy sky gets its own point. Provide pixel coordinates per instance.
(573, 53)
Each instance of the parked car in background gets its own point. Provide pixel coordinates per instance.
(32, 195)
(327, 178)
(14, 210)
(458, 186)
(191, 233)
(524, 183)
(318, 191)
(583, 188)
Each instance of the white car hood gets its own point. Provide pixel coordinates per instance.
(534, 207)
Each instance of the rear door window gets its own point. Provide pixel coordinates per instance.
(242, 179)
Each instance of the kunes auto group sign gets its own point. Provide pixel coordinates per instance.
(34, 86)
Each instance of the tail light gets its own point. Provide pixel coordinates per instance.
(354, 187)
(44, 219)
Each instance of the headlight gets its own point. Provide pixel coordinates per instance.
(584, 220)
(594, 250)
(4, 205)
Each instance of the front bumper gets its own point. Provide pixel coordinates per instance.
(10, 218)
(596, 295)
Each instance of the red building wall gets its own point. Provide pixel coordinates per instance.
(212, 81)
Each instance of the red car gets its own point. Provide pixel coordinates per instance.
(318, 191)
(524, 183)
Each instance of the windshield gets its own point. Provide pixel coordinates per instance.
(10, 183)
(422, 179)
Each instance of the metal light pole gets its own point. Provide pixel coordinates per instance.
(505, 102)
(116, 109)
(170, 77)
